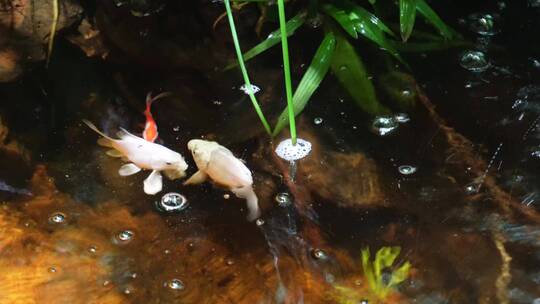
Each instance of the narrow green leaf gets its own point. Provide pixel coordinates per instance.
(342, 18)
(369, 30)
(407, 16)
(243, 68)
(310, 81)
(287, 70)
(399, 275)
(427, 12)
(351, 73)
(358, 12)
(274, 38)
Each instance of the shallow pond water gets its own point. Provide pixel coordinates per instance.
(453, 181)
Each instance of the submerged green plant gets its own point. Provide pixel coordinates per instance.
(380, 284)
(348, 16)
(287, 70)
(244, 70)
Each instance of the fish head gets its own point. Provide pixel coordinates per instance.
(202, 151)
(172, 164)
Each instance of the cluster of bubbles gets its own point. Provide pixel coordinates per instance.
(290, 152)
(251, 89)
(386, 124)
(474, 61)
(483, 24)
(57, 218)
(319, 254)
(283, 199)
(172, 202)
(175, 284)
(407, 169)
(124, 236)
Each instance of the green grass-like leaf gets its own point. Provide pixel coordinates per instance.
(343, 18)
(310, 81)
(407, 16)
(351, 73)
(429, 14)
(243, 68)
(360, 12)
(274, 38)
(287, 69)
(373, 271)
(371, 28)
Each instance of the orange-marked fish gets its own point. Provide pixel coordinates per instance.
(150, 132)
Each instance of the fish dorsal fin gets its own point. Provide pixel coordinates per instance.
(123, 134)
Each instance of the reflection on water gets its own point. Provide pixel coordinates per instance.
(453, 182)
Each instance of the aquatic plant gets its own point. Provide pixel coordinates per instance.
(341, 21)
(249, 91)
(286, 69)
(382, 284)
(54, 24)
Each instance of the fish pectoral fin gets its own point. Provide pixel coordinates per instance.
(128, 169)
(153, 183)
(252, 201)
(174, 174)
(104, 142)
(197, 178)
(114, 153)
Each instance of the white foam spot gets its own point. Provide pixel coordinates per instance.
(290, 152)
(252, 89)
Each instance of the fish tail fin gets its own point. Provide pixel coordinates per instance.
(252, 201)
(150, 99)
(105, 141)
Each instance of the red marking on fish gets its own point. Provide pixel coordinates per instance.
(150, 132)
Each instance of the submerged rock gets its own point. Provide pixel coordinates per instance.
(349, 180)
(24, 30)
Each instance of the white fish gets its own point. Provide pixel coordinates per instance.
(219, 164)
(143, 154)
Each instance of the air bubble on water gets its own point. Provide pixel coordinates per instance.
(483, 24)
(52, 269)
(252, 89)
(407, 169)
(259, 222)
(128, 290)
(474, 61)
(283, 199)
(364, 302)
(402, 117)
(406, 93)
(124, 236)
(92, 249)
(536, 154)
(384, 125)
(472, 188)
(319, 254)
(290, 152)
(217, 102)
(176, 128)
(57, 218)
(318, 120)
(535, 63)
(175, 284)
(172, 202)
